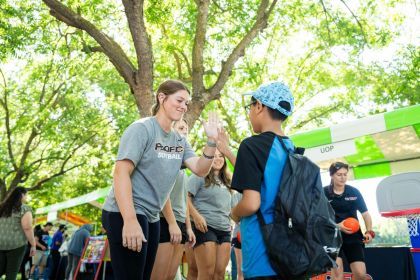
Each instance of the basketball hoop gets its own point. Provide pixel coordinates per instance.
(413, 219)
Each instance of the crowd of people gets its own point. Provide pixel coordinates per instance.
(155, 211)
(33, 251)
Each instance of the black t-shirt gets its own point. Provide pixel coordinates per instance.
(42, 238)
(346, 205)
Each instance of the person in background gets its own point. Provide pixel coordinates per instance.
(346, 201)
(15, 232)
(75, 248)
(224, 147)
(237, 252)
(61, 272)
(40, 259)
(57, 241)
(175, 225)
(210, 201)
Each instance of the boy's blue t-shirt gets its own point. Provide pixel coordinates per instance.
(259, 166)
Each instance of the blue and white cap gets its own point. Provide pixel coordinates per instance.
(272, 94)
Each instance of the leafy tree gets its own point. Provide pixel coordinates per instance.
(140, 75)
(48, 127)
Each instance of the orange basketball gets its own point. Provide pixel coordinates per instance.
(352, 224)
(238, 235)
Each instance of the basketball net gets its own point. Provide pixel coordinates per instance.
(413, 224)
(413, 219)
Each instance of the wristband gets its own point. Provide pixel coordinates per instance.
(371, 232)
(211, 144)
(207, 157)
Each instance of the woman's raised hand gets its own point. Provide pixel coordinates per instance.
(212, 126)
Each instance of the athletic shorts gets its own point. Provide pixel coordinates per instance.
(352, 252)
(40, 258)
(164, 231)
(212, 234)
(236, 243)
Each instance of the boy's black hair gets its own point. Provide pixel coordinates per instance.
(275, 114)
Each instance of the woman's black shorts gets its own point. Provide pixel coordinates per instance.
(164, 231)
(353, 252)
(212, 234)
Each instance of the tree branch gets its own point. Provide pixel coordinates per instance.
(5, 105)
(264, 11)
(46, 179)
(357, 20)
(198, 47)
(178, 64)
(47, 73)
(230, 123)
(327, 16)
(111, 49)
(63, 169)
(142, 44)
(175, 50)
(322, 113)
(186, 62)
(20, 170)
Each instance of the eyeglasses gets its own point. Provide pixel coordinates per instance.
(248, 107)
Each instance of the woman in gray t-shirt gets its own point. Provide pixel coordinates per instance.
(210, 202)
(149, 158)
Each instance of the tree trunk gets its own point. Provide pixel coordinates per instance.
(144, 100)
(2, 190)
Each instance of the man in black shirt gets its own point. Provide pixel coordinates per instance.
(41, 255)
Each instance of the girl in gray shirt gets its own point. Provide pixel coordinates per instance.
(149, 158)
(210, 202)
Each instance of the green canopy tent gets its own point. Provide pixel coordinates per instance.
(374, 146)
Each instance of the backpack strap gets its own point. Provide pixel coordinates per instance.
(296, 150)
(260, 217)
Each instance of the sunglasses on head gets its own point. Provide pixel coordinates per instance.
(339, 165)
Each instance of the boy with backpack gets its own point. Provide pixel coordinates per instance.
(288, 229)
(259, 166)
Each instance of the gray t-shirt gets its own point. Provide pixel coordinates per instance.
(213, 202)
(157, 157)
(178, 197)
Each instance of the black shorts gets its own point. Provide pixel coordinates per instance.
(164, 231)
(212, 234)
(352, 252)
(236, 243)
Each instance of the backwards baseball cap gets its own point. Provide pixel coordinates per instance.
(272, 94)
